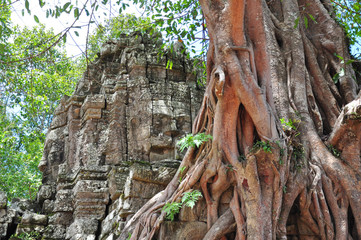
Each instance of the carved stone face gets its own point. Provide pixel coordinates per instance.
(170, 122)
(164, 126)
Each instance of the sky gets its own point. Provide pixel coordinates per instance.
(75, 45)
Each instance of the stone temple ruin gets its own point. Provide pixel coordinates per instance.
(111, 146)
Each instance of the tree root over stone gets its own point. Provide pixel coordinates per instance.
(261, 68)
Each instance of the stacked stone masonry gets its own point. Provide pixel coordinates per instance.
(111, 145)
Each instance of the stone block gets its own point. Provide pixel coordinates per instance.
(93, 173)
(45, 192)
(91, 200)
(61, 218)
(139, 149)
(109, 225)
(131, 206)
(29, 228)
(177, 74)
(90, 212)
(3, 214)
(54, 232)
(22, 205)
(62, 106)
(64, 201)
(92, 114)
(141, 189)
(160, 153)
(73, 112)
(96, 101)
(30, 218)
(107, 49)
(110, 237)
(157, 72)
(59, 121)
(48, 206)
(3, 230)
(116, 181)
(116, 205)
(7, 216)
(90, 186)
(82, 227)
(156, 173)
(182, 230)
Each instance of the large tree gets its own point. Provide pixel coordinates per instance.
(34, 74)
(283, 107)
(281, 104)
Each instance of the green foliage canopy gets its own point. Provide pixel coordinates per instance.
(348, 13)
(34, 75)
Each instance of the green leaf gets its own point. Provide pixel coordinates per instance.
(41, 3)
(305, 20)
(340, 57)
(76, 33)
(66, 5)
(312, 18)
(190, 204)
(197, 142)
(350, 61)
(2, 48)
(27, 6)
(64, 38)
(296, 22)
(76, 12)
(36, 18)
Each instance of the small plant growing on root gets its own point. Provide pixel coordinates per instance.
(242, 158)
(298, 155)
(334, 151)
(290, 124)
(189, 199)
(181, 171)
(265, 146)
(172, 209)
(291, 127)
(282, 152)
(191, 140)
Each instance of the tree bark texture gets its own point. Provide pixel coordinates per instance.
(272, 60)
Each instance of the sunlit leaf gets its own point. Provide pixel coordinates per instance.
(296, 22)
(66, 5)
(76, 12)
(27, 6)
(305, 20)
(36, 19)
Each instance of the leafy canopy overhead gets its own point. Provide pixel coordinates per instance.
(36, 75)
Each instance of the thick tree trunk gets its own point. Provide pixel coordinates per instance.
(270, 60)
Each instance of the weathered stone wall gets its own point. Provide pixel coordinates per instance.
(111, 146)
